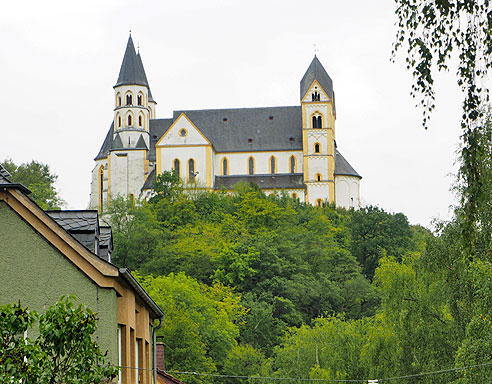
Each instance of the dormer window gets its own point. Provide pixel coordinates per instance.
(129, 99)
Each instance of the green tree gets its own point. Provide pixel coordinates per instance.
(39, 179)
(63, 352)
(201, 324)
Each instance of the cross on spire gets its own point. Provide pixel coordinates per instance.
(316, 50)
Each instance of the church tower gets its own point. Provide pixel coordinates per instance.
(318, 133)
(122, 164)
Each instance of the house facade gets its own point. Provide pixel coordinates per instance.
(44, 256)
(289, 148)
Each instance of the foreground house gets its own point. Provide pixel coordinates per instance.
(44, 255)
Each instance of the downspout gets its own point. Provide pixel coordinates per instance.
(154, 342)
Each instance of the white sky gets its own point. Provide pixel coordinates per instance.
(60, 60)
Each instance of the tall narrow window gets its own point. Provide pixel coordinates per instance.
(315, 122)
(140, 120)
(176, 168)
(317, 148)
(317, 177)
(319, 203)
(139, 99)
(119, 121)
(191, 170)
(273, 165)
(129, 99)
(101, 188)
(225, 167)
(119, 101)
(129, 120)
(319, 122)
(251, 166)
(292, 164)
(315, 96)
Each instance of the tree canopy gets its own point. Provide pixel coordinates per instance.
(39, 179)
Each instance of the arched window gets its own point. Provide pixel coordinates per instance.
(101, 188)
(140, 121)
(129, 120)
(315, 96)
(225, 167)
(317, 122)
(119, 100)
(273, 165)
(319, 203)
(317, 177)
(251, 166)
(176, 168)
(119, 121)
(294, 196)
(139, 99)
(292, 164)
(317, 148)
(191, 170)
(129, 99)
(131, 199)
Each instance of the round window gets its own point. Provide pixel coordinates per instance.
(182, 132)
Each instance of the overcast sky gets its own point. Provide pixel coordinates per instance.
(60, 60)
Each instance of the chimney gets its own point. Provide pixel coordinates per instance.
(160, 356)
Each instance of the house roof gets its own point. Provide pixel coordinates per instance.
(249, 129)
(342, 166)
(105, 242)
(316, 71)
(276, 181)
(166, 378)
(149, 181)
(6, 183)
(131, 71)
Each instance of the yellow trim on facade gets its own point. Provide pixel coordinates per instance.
(323, 119)
(109, 180)
(101, 187)
(243, 152)
(315, 82)
(208, 163)
(158, 165)
(183, 145)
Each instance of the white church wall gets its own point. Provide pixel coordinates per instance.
(347, 193)
(94, 196)
(238, 162)
(182, 132)
(198, 153)
(127, 172)
(318, 191)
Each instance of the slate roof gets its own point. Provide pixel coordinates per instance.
(131, 71)
(157, 128)
(140, 64)
(342, 166)
(317, 72)
(105, 242)
(276, 181)
(83, 225)
(149, 181)
(107, 144)
(250, 129)
(6, 183)
(141, 143)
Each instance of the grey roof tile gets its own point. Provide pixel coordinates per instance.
(149, 181)
(141, 143)
(277, 181)
(342, 166)
(117, 143)
(140, 64)
(4, 173)
(107, 145)
(250, 129)
(316, 71)
(157, 128)
(131, 71)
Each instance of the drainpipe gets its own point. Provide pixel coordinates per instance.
(154, 342)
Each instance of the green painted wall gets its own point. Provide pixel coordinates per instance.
(37, 274)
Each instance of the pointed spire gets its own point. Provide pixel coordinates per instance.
(131, 71)
(140, 64)
(316, 72)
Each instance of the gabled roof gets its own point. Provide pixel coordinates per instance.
(249, 129)
(131, 71)
(157, 128)
(276, 181)
(342, 166)
(316, 72)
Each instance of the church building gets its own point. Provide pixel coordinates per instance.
(289, 149)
